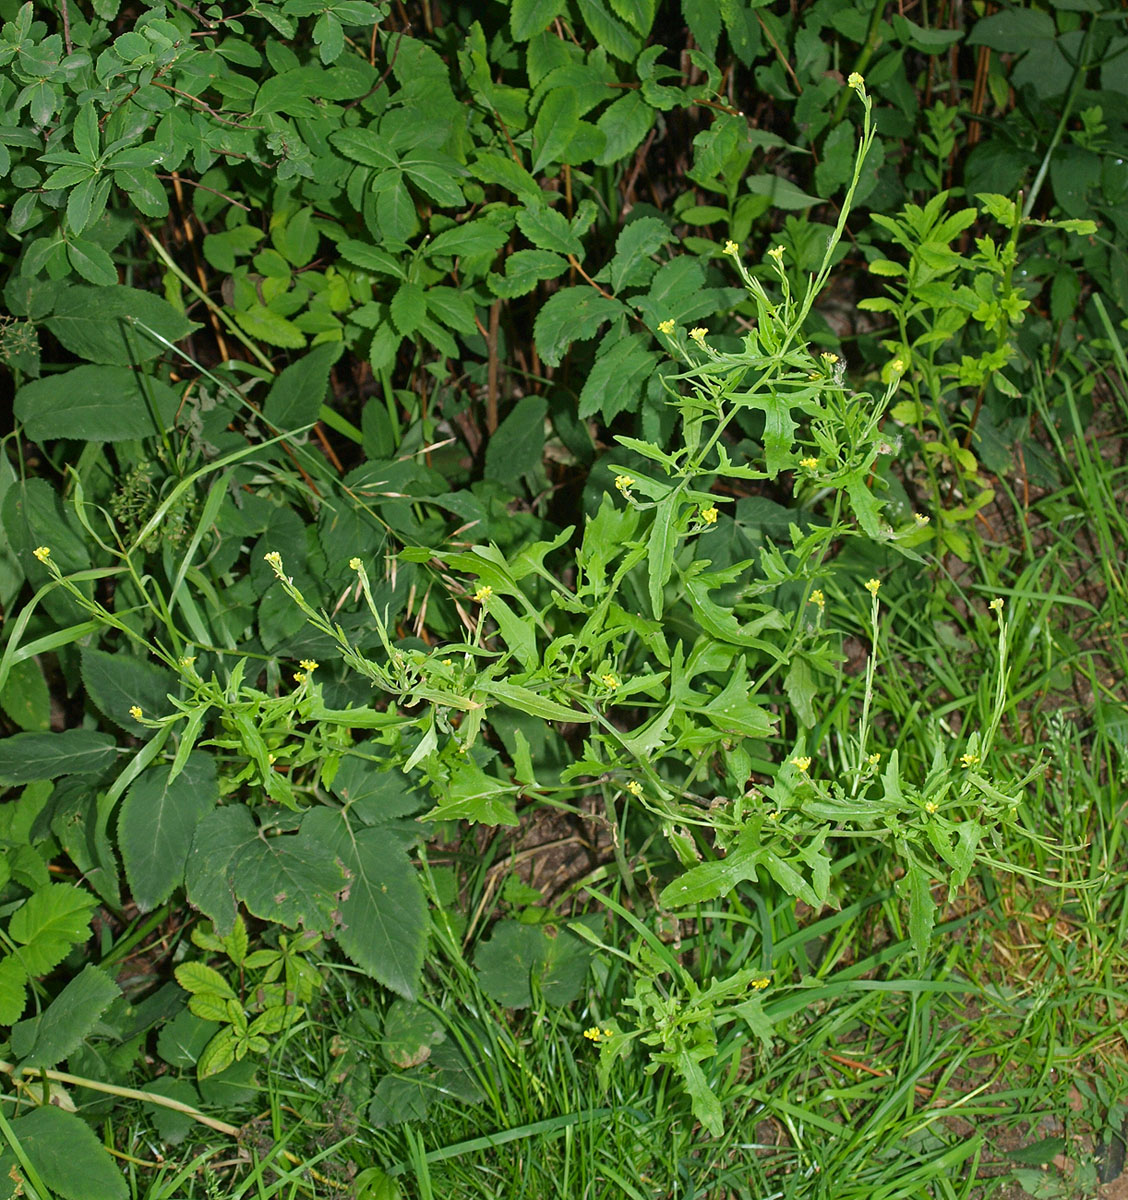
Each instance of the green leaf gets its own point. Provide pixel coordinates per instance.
(364, 146)
(609, 32)
(516, 446)
(706, 1107)
(395, 212)
(526, 700)
(13, 990)
(780, 191)
(384, 913)
(1012, 30)
(157, 822)
(572, 314)
(295, 397)
(712, 880)
(922, 909)
(219, 839)
(527, 18)
(660, 549)
(371, 258)
(410, 1032)
(615, 381)
(623, 124)
(263, 323)
(471, 239)
(117, 682)
(103, 325)
(548, 229)
(291, 879)
(45, 1040)
(91, 262)
(28, 756)
(49, 923)
(409, 308)
(524, 269)
(96, 404)
(633, 247)
(639, 13)
(472, 795)
(67, 1156)
(516, 954)
(198, 979)
(557, 124)
(25, 697)
(435, 176)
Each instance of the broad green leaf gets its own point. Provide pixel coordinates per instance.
(103, 325)
(13, 989)
(295, 398)
(516, 954)
(615, 382)
(156, 824)
(117, 682)
(25, 697)
(395, 211)
(47, 1039)
(49, 923)
(637, 13)
(624, 124)
(198, 979)
(633, 247)
(97, 404)
(572, 314)
(713, 880)
(264, 323)
(28, 756)
(436, 177)
(91, 262)
(67, 1156)
(780, 191)
(549, 229)
(384, 913)
(292, 879)
(408, 308)
(371, 258)
(410, 1033)
(530, 17)
(452, 308)
(373, 792)
(472, 238)
(608, 31)
(364, 146)
(524, 269)
(516, 446)
(219, 839)
(557, 124)
(517, 633)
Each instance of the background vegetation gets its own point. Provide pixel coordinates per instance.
(563, 576)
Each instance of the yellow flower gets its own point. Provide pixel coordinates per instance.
(355, 564)
(634, 787)
(299, 677)
(666, 326)
(275, 560)
(698, 334)
(307, 664)
(732, 248)
(969, 760)
(483, 593)
(776, 252)
(856, 82)
(872, 585)
(609, 681)
(898, 365)
(595, 1034)
(996, 605)
(809, 463)
(874, 759)
(818, 599)
(803, 762)
(186, 661)
(135, 712)
(759, 984)
(447, 662)
(709, 515)
(931, 807)
(921, 519)
(623, 483)
(828, 358)
(773, 815)
(43, 553)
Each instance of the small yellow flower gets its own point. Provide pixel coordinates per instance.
(828, 358)
(299, 677)
(818, 599)
(709, 515)
(666, 326)
(732, 248)
(931, 807)
(595, 1034)
(874, 759)
(809, 463)
(776, 252)
(872, 585)
(969, 760)
(698, 334)
(483, 593)
(803, 762)
(634, 787)
(447, 662)
(623, 483)
(275, 560)
(355, 564)
(186, 661)
(135, 712)
(759, 984)
(921, 519)
(898, 366)
(307, 664)
(773, 815)
(609, 681)
(856, 82)
(43, 553)
(996, 605)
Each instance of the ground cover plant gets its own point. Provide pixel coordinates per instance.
(563, 579)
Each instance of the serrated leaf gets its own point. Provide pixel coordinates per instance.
(209, 872)
(156, 824)
(409, 308)
(364, 146)
(25, 757)
(383, 916)
(47, 1039)
(117, 682)
(516, 446)
(295, 398)
(556, 127)
(13, 990)
(526, 700)
(616, 379)
(217, 1055)
(67, 1156)
(524, 269)
(95, 403)
(49, 923)
(572, 314)
(548, 229)
(292, 879)
(633, 247)
(91, 262)
(471, 239)
(198, 979)
(261, 322)
(527, 18)
(922, 909)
